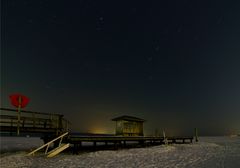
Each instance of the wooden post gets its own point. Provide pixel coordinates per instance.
(51, 120)
(12, 129)
(60, 124)
(23, 123)
(74, 151)
(76, 148)
(45, 124)
(57, 122)
(19, 111)
(165, 138)
(196, 134)
(34, 121)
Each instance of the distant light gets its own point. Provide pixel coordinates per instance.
(98, 131)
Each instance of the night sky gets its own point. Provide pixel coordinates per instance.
(174, 63)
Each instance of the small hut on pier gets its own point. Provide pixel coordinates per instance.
(129, 126)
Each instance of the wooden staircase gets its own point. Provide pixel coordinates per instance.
(54, 152)
(57, 150)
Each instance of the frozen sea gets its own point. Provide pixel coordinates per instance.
(209, 152)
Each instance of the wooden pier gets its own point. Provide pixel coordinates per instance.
(54, 126)
(123, 141)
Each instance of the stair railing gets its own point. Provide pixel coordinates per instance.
(48, 144)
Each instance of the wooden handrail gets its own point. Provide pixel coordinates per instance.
(47, 144)
(55, 121)
(7, 109)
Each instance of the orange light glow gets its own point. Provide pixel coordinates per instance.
(98, 130)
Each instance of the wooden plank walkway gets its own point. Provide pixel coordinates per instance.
(79, 139)
(125, 138)
(123, 141)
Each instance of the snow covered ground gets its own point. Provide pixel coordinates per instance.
(210, 152)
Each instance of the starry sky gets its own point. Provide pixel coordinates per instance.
(174, 63)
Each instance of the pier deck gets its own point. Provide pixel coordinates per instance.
(32, 122)
(123, 141)
(76, 139)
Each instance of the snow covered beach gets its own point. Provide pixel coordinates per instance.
(209, 152)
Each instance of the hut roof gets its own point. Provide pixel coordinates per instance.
(128, 118)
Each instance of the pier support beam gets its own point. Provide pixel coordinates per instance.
(75, 149)
(124, 143)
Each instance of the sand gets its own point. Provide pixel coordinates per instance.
(212, 152)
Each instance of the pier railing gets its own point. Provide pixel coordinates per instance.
(31, 121)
